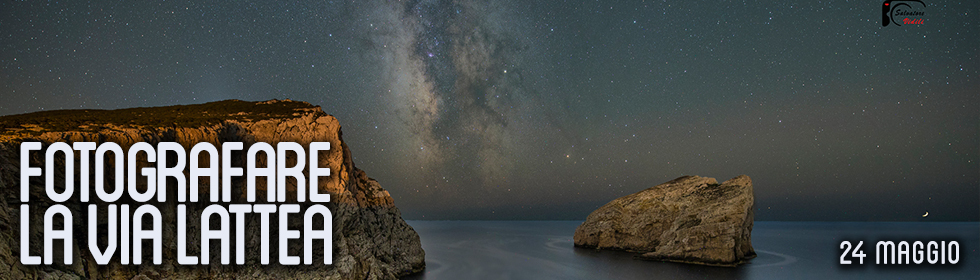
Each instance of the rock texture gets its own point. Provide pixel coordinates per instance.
(690, 219)
(370, 239)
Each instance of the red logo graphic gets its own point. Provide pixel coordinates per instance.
(902, 12)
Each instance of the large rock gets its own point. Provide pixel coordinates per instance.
(370, 239)
(690, 219)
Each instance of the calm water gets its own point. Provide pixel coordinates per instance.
(787, 250)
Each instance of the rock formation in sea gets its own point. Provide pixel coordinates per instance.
(370, 239)
(690, 219)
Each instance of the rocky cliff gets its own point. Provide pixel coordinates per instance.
(370, 239)
(690, 219)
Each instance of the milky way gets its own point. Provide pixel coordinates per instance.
(525, 109)
(454, 79)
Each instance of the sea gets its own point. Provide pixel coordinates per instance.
(786, 250)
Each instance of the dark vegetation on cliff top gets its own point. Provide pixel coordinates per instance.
(177, 116)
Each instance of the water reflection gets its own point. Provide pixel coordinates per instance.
(786, 250)
(537, 250)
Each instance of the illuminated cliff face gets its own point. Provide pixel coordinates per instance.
(364, 213)
(689, 219)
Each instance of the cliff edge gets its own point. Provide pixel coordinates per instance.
(370, 239)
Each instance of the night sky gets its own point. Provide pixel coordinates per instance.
(549, 109)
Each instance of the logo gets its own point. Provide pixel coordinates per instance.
(902, 12)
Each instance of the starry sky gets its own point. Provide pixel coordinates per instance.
(548, 109)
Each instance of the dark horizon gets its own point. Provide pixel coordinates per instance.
(540, 110)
